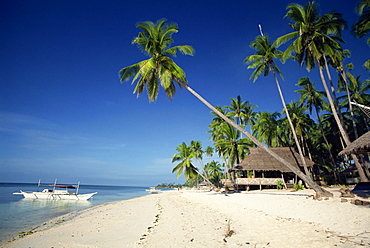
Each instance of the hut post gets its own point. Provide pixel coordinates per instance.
(282, 177)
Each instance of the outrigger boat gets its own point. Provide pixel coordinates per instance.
(153, 190)
(61, 193)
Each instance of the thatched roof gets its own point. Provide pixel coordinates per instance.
(359, 146)
(258, 159)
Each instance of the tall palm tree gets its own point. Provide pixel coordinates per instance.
(302, 124)
(315, 38)
(155, 40)
(311, 98)
(263, 61)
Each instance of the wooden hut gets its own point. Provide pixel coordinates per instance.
(260, 168)
(359, 146)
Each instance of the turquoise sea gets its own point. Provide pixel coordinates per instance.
(18, 214)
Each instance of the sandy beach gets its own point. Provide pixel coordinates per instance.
(268, 218)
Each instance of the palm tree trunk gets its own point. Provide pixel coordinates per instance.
(336, 99)
(294, 169)
(206, 179)
(291, 126)
(327, 143)
(340, 126)
(343, 74)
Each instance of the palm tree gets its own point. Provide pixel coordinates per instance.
(214, 170)
(311, 98)
(356, 92)
(209, 151)
(316, 37)
(362, 26)
(231, 146)
(242, 111)
(196, 147)
(263, 61)
(184, 156)
(155, 40)
(302, 124)
(266, 128)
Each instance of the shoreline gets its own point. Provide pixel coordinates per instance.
(208, 219)
(57, 220)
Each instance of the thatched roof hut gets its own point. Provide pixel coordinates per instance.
(359, 146)
(260, 160)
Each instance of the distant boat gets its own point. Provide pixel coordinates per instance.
(154, 190)
(62, 193)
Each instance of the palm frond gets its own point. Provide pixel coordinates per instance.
(285, 38)
(184, 49)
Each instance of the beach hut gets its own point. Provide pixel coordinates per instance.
(359, 146)
(260, 168)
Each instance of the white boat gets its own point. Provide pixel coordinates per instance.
(153, 190)
(61, 193)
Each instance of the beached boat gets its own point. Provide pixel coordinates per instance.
(61, 193)
(154, 190)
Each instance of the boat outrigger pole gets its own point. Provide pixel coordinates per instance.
(78, 186)
(55, 182)
(38, 185)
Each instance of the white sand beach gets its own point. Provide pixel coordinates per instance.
(267, 218)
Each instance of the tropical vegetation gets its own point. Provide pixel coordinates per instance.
(318, 126)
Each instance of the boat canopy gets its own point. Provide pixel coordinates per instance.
(61, 186)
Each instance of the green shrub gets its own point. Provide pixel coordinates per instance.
(280, 185)
(299, 186)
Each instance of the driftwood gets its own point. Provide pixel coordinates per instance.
(346, 193)
(360, 202)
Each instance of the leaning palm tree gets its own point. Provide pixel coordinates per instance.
(315, 38)
(263, 61)
(160, 70)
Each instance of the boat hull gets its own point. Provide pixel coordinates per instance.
(153, 190)
(55, 196)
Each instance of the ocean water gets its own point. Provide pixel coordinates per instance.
(18, 214)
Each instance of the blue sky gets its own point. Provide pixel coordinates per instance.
(64, 113)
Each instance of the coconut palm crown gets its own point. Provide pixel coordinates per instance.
(159, 70)
(263, 59)
(313, 33)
